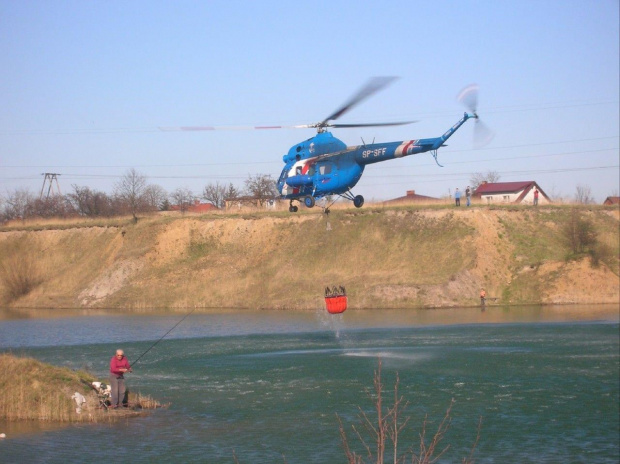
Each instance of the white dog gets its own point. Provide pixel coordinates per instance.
(79, 400)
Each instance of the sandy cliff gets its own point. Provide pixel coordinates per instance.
(384, 257)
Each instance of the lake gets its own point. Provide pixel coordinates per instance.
(269, 386)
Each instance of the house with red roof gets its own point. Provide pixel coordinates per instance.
(510, 192)
(411, 197)
(196, 207)
(609, 201)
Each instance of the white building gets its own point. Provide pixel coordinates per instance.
(511, 192)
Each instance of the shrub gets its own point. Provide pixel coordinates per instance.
(579, 233)
(380, 435)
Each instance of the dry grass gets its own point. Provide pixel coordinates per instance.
(399, 257)
(38, 391)
(20, 270)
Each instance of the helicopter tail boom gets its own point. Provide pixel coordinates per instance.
(454, 128)
(375, 153)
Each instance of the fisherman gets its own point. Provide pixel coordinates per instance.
(119, 365)
(483, 297)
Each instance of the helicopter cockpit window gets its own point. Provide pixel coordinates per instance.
(298, 170)
(325, 169)
(284, 174)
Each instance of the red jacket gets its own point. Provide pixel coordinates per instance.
(116, 364)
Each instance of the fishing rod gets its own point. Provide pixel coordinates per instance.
(163, 336)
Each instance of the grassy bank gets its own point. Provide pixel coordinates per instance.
(398, 257)
(39, 391)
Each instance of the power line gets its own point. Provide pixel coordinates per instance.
(433, 176)
(420, 178)
(248, 163)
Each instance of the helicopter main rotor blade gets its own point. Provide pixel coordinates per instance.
(298, 126)
(230, 128)
(377, 124)
(374, 85)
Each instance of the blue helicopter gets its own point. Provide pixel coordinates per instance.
(324, 166)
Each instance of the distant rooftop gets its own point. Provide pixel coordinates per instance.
(412, 197)
(503, 187)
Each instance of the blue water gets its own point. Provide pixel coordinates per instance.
(265, 387)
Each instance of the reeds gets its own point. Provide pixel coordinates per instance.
(35, 391)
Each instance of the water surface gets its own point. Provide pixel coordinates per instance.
(265, 386)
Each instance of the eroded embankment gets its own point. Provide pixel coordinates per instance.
(384, 257)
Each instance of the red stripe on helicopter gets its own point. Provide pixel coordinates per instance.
(404, 147)
(306, 167)
(409, 144)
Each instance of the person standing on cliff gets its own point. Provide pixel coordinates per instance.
(468, 195)
(457, 197)
(119, 365)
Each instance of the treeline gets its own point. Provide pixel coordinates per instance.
(132, 195)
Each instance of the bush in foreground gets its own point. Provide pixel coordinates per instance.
(380, 434)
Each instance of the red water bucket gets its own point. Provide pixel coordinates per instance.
(336, 304)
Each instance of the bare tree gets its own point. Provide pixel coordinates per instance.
(231, 192)
(130, 190)
(477, 178)
(381, 430)
(87, 202)
(18, 204)
(262, 187)
(215, 194)
(583, 195)
(52, 206)
(80, 199)
(182, 198)
(155, 197)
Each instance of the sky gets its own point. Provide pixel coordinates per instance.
(86, 87)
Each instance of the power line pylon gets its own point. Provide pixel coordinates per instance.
(48, 180)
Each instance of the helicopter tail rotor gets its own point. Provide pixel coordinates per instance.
(482, 133)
